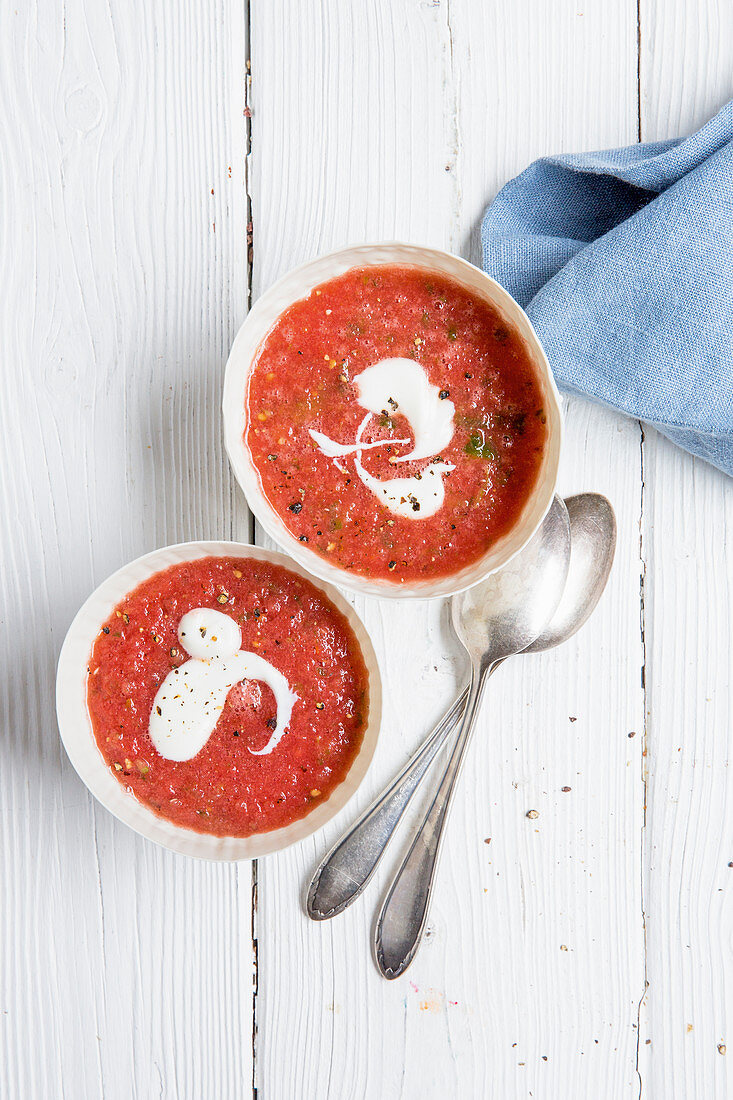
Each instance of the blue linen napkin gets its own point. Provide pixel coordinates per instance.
(623, 260)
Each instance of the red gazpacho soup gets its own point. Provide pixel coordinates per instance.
(396, 421)
(229, 695)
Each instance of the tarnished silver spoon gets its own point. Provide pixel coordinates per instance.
(344, 873)
(495, 619)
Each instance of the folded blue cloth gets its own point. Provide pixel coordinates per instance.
(624, 262)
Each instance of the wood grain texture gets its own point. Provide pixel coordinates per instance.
(686, 75)
(401, 120)
(125, 971)
(124, 170)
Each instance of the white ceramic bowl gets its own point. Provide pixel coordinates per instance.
(78, 735)
(298, 284)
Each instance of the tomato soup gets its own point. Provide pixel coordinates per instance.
(396, 421)
(227, 694)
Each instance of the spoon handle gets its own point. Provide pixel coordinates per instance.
(345, 871)
(404, 913)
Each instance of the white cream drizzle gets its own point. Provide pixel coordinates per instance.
(415, 497)
(188, 703)
(401, 386)
(332, 449)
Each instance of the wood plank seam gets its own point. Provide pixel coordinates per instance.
(255, 977)
(644, 776)
(638, 98)
(642, 625)
(251, 525)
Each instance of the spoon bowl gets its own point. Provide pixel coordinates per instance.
(509, 610)
(592, 549)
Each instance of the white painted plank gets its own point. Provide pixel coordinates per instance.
(125, 972)
(388, 120)
(686, 67)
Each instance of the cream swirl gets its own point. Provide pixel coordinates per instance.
(190, 700)
(393, 387)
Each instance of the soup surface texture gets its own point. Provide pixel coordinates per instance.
(396, 421)
(229, 695)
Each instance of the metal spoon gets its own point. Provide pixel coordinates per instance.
(345, 871)
(493, 620)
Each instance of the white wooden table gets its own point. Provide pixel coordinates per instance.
(583, 954)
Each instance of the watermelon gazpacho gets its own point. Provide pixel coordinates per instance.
(229, 695)
(396, 421)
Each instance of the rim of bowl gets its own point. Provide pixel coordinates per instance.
(77, 733)
(295, 285)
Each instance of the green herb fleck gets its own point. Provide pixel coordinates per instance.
(480, 446)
